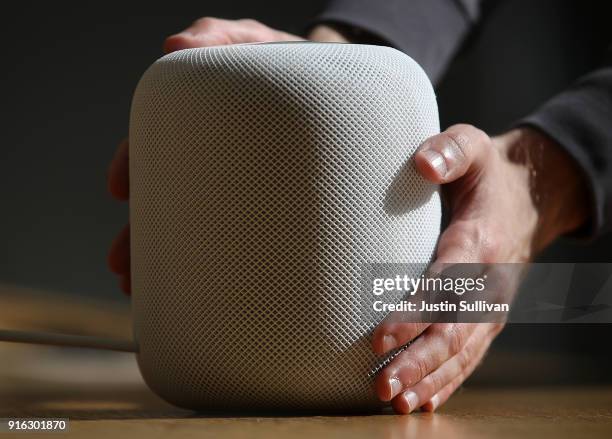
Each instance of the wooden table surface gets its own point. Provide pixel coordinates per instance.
(104, 397)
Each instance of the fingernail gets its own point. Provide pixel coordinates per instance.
(436, 161)
(435, 401)
(412, 399)
(389, 342)
(395, 387)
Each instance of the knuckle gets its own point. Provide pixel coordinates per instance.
(463, 138)
(478, 136)
(490, 247)
(418, 370)
(464, 237)
(219, 38)
(463, 358)
(408, 368)
(434, 383)
(461, 127)
(478, 242)
(206, 22)
(250, 22)
(459, 142)
(455, 337)
(469, 132)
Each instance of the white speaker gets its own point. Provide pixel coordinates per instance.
(263, 178)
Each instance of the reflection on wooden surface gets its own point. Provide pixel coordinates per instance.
(104, 396)
(127, 408)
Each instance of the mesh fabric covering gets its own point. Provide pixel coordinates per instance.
(263, 178)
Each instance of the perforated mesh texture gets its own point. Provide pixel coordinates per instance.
(263, 178)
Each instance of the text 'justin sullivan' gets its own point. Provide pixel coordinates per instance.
(411, 285)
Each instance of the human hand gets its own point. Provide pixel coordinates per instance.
(508, 197)
(204, 32)
(209, 31)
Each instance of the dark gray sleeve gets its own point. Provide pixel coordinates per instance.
(580, 120)
(430, 31)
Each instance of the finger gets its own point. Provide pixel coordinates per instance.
(204, 32)
(209, 31)
(454, 153)
(442, 396)
(392, 334)
(436, 345)
(119, 254)
(119, 173)
(475, 348)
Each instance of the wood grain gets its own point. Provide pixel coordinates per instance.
(103, 395)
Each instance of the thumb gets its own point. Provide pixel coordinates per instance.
(461, 150)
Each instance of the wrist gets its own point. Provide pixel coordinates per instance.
(557, 188)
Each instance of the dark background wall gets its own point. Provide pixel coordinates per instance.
(67, 80)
